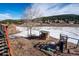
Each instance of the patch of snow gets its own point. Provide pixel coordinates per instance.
(53, 31)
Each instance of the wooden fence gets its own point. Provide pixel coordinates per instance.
(65, 39)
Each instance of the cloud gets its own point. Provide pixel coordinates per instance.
(54, 9)
(5, 16)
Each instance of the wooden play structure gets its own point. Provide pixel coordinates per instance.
(44, 35)
(5, 49)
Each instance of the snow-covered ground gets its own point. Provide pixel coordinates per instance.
(53, 31)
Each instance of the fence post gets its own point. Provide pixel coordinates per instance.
(77, 44)
(66, 42)
(61, 44)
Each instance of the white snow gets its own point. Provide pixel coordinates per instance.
(53, 31)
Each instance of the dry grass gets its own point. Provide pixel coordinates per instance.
(20, 47)
(12, 29)
(23, 47)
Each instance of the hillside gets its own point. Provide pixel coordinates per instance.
(64, 17)
(10, 21)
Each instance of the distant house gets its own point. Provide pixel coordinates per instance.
(71, 22)
(61, 21)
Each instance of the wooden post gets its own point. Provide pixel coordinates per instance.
(77, 44)
(66, 39)
(61, 44)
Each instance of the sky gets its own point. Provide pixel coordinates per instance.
(21, 10)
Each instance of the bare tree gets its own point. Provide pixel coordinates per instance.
(31, 14)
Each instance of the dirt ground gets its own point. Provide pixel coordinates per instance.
(24, 47)
(53, 24)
